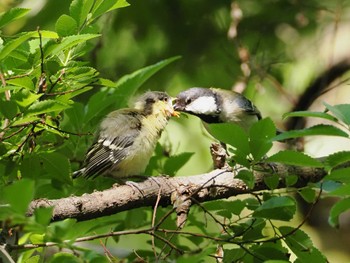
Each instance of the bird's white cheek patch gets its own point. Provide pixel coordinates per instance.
(202, 105)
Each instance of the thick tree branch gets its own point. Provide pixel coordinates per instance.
(217, 184)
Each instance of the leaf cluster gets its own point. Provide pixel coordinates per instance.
(51, 101)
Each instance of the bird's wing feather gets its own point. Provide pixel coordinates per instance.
(113, 144)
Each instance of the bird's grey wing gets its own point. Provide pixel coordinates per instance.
(112, 146)
(249, 107)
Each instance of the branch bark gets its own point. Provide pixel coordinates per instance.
(217, 184)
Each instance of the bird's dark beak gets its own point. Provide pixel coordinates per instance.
(178, 106)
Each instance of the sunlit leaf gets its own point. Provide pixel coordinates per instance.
(24, 98)
(80, 9)
(320, 129)
(68, 42)
(231, 134)
(24, 82)
(314, 114)
(66, 25)
(46, 106)
(12, 15)
(13, 44)
(294, 158)
(128, 84)
(103, 6)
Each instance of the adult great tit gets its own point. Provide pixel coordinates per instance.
(214, 105)
(127, 137)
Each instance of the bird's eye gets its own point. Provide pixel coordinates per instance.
(188, 100)
(165, 99)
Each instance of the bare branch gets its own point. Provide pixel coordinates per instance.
(217, 184)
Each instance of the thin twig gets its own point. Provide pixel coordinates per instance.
(7, 97)
(153, 221)
(12, 134)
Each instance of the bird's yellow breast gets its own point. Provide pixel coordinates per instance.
(142, 149)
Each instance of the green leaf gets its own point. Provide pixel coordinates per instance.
(278, 208)
(232, 134)
(43, 215)
(247, 177)
(291, 180)
(30, 166)
(73, 117)
(46, 106)
(19, 194)
(129, 84)
(47, 34)
(60, 257)
(260, 135)
(103, 6)
(68, 42)
(339, 175)
(26, 119)
(301, 245)
(80, 9)
(13, 44)
(8, 108)
(12, 15)
(341, 111)
(308, 194)
(106, 82)
(252, 204)
(272, 181)
(233, 255)
(294, 158)
(314, 114)
(57, 166)
(95, 109)
(33, 259)
(24, 97)
(174, 163)
(297, 239)
(320, 129)
(341, 191)
(229, 206)
(66, 26)
(24, 82)
(338, 158)
(272, 252)
(234, 206)
(254, 229)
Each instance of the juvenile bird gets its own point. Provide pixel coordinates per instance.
(218, 106)
(127, 137)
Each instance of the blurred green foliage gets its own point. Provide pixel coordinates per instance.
(60, 59)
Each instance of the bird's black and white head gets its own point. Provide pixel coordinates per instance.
(201, 102)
